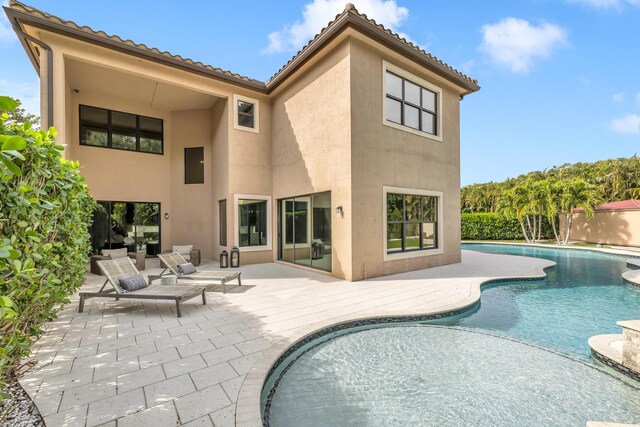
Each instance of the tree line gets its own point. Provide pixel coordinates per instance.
(555, 192)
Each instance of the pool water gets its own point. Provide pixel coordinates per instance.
(441, 376)
(584, 295)
(520, 359)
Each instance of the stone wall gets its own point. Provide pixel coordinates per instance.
(631, 347)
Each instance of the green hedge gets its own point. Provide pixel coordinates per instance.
(494, 226)
(45, 210)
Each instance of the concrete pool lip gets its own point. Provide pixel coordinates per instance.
(495, 267)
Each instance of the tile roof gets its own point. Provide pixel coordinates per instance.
(624, 205)
(350, 15)
(350, 9)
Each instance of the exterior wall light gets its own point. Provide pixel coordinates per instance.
(339, 210)
(166, 215)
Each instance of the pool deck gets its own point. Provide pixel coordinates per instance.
(133, 363)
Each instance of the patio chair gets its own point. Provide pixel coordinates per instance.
(173, 259)
(119, 268)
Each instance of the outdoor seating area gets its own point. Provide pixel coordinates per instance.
(118, 270)
(173, 261)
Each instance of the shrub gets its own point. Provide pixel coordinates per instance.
(45, 210)
(494, 226)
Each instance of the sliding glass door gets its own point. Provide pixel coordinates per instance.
(305, 230)
(131, 225)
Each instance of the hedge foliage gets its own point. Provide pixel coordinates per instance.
(45, 210)
(495, 226)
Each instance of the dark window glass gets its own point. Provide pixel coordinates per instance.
(123, 131)
(123, 121)
(412, 222)
(410, 104)
(222, 205)
(148, 124)
(245, 114)
(194, 165)
(91, 116)
(123, 141)
(151, 144)
(252, 222)
(93, 136)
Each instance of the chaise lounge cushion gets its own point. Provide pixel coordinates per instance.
(132, 283)
(186, 268)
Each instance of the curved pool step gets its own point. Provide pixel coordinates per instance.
(631, 277)
(633, 263)
(607, 349)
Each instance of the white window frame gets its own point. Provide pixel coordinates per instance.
(412, 254)
(386, 66)
(236, 239)
(256, 113)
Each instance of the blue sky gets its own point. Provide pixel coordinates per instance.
(559, 77)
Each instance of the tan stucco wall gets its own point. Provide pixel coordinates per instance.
(320, 131)
(386, 156)
(191, 204)
(609, 227)
(311, 139)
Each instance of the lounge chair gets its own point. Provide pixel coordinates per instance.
(119, 268)
(173, 259)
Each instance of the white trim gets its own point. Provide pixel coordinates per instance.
(386, 66)
(413, 254)
(236, 238)
(256, 113)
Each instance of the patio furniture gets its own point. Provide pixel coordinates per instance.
(173, 259)
(120, 268)
(188, 252)
(107, 254)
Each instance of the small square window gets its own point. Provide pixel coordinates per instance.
(247, 114)
(123, 141)
(94, 136)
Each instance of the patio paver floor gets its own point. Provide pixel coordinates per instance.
(132, 362)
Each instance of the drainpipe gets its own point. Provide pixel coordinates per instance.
(49, 51)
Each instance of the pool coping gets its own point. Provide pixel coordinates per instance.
(602, 352)
(248, 405)
(617, 252)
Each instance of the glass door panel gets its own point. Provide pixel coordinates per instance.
(305, 230)
(321, 239)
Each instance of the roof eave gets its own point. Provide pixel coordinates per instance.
(22, 18)
(35, 60)
(347, 19)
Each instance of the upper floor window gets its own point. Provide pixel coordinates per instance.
(100, 127)
(246, 113)
(411, 103)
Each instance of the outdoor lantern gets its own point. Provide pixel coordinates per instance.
(235, 257)
(224, 259)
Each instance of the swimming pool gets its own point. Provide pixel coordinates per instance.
(442, 376)
(584, 295)
(521, 358)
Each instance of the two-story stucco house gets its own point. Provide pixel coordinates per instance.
(347, 160)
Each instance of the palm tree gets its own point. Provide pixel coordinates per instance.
(577, 193)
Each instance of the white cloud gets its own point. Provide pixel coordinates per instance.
(517, 44)
(618, 97)
(27, 93)
(317, 14)
(606, 4)
(628, 125)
